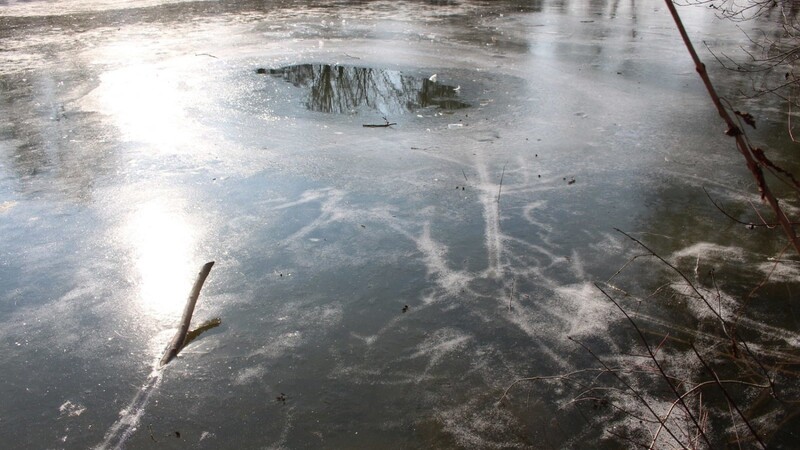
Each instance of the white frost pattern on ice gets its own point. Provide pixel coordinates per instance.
(71, 409)
(490, 194)
(129, 418)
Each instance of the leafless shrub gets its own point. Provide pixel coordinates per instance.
(682, 389)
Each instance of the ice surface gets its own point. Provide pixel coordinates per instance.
(390, 282)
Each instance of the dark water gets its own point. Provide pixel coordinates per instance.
(348, 89)
(378, 287)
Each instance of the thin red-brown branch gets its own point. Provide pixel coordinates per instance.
(735, 132)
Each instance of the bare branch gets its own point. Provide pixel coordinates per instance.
(727, 395)
(633, 390)
(655, 361)
(735, 132)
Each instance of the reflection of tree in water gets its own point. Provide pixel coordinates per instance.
(346, 89)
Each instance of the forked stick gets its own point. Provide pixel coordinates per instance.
(177, 342)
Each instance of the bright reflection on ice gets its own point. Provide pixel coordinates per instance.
(162, 242)
(146, 106)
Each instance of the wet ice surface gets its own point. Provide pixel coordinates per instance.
(138, 143)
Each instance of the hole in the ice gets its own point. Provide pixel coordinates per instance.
(343, 89)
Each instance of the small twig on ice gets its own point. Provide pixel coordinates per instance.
(382, 125)
(511, 296)
(500, 189)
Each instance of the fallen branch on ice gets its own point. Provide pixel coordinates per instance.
(179, 340)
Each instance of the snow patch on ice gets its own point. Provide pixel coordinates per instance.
(435, 259)
(781, 272)
(586, 312)
(442, 343)
(706, 250)
(280, 345)
(70, 409)
(473, 425)
(249, 375)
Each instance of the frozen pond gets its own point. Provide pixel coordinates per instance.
(379, 287)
